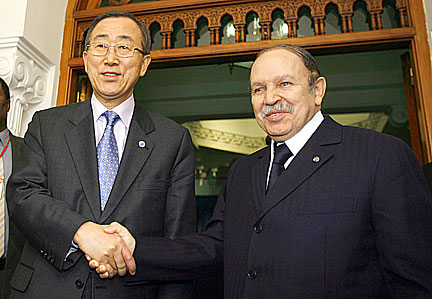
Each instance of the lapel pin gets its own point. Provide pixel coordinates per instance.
(141, 143)
(316, 159)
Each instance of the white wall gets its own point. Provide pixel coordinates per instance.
(428, 10)
(30, 49)
(13, 24)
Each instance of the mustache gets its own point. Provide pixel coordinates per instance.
(285, 107)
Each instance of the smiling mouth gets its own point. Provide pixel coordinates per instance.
(110, 74)
(275, 114)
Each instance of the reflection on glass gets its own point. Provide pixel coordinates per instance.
(280, 29)
(253, 28)
(156, 36)
(361, 17)
(178, 38)
(228, 30)
(390, 17)
(332, 20)
(305, 22)
(202, 33)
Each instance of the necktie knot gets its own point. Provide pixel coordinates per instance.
(281, 154)
(111, 117)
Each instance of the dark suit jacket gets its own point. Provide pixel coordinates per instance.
(54, 189)
(16, 240)
(427, 169)
(351, 217)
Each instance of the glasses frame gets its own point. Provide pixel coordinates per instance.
(115, 50)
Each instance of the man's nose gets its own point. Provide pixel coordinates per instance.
(111, 56)
(271, 96)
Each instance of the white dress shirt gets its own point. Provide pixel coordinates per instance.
(296, 143)
(121, 127)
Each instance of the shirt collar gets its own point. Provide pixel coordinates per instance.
(124, 110)
(296, 143)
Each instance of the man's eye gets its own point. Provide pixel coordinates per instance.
(100, 45)
(124, 47)
(285, 84)
(258, 90)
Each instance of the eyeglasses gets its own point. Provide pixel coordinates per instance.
(121, 50)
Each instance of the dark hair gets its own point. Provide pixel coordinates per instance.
(308, 61)
(5, 88)
(146, 41)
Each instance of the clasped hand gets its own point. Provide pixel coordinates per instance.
(109, 249)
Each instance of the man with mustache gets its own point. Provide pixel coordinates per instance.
(88, 164)
(325, 211)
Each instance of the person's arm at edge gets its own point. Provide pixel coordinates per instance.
(402, 217)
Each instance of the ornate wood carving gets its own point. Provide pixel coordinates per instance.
(165, 17)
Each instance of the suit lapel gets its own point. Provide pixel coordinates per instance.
(134, 157)
(259, 175)
(16, 146)
(316, 152)
(81, 142)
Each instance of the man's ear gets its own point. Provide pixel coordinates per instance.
(145, 64)
(319, 90)
(84, 56)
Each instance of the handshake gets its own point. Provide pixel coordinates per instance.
(108, 248)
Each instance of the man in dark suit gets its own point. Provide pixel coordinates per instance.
(427, 169)
(12, 241)
(88, 164)
(336, 212)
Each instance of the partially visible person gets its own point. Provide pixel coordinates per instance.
(324, 211)
(11, 240)
(85, 165)
(427, 169)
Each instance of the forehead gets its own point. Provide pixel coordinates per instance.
(117, 28)
(277, 63)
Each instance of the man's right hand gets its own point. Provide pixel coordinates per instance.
(105, 270)
(107, 249)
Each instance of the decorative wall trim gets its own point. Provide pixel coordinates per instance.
(225, 140)
(30, 76)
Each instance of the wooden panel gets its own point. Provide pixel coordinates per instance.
(396, 35)
(408, 76)
(422, 75)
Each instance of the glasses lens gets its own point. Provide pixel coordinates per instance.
(101, 49)
(124, 50)
(98, 48)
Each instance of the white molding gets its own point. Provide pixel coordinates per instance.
(30, 76)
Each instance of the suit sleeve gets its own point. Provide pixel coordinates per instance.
(402, 219)
(46, 222)
(427, 169)
(185, 257)
(180, 210)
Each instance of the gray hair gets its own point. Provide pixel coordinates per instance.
(308, 61)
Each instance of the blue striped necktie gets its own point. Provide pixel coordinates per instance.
(108, 158)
